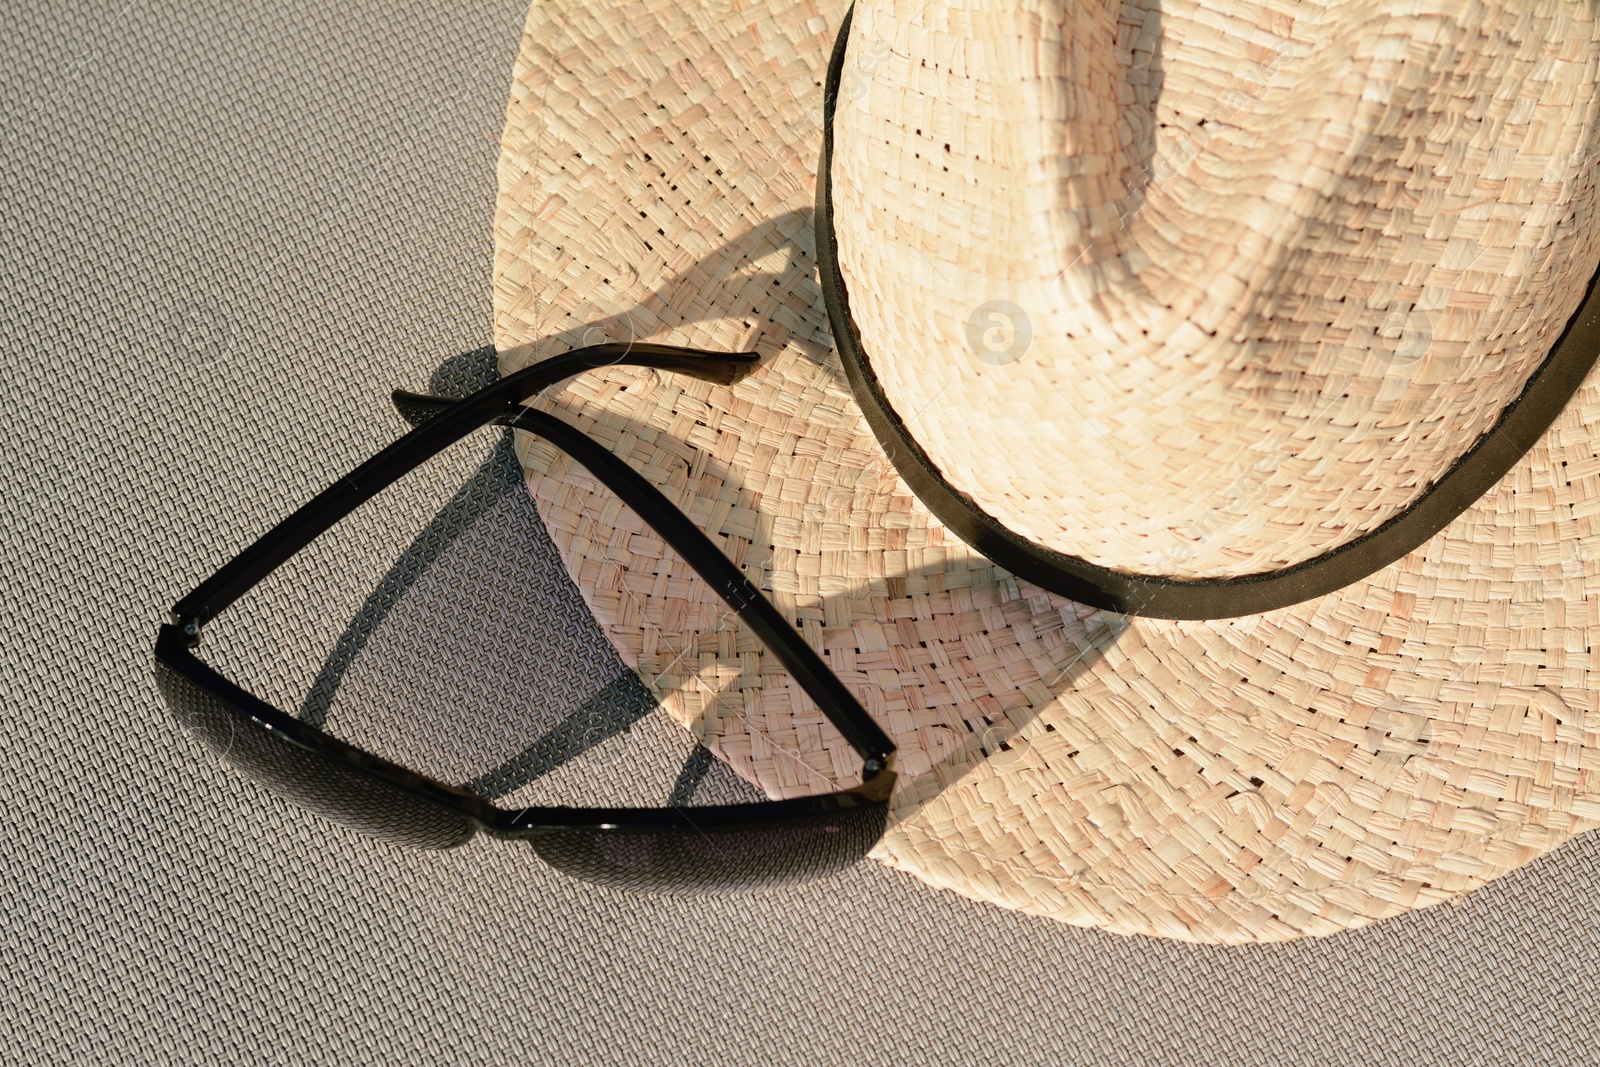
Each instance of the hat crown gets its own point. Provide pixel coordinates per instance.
(1209, 297)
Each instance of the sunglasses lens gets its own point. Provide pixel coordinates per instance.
(307, 777)
(730, 850)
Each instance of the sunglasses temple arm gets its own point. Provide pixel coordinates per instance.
(278, 544)
(737, 591)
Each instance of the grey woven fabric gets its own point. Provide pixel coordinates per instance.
(227, 234)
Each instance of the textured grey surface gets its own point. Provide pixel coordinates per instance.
(227, 234)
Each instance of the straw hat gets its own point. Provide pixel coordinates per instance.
(1228, 333)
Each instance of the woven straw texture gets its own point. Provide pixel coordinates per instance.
(1383, 748)
(1117, 268)
(307, 191)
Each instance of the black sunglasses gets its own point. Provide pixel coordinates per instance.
(663, 849)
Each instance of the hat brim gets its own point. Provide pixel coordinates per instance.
(1386, 746)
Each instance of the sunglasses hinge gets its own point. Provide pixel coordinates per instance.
(188, 626)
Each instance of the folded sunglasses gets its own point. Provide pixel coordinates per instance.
(671, 849)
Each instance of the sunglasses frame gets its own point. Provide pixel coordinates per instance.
(440, 422)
